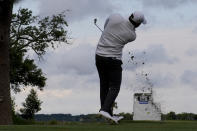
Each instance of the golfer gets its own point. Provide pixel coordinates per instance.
(117, 32)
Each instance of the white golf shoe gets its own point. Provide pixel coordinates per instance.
(108, 116)
(118, 118)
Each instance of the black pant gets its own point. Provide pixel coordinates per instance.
(110, 73)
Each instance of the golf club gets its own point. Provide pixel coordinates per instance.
(95, 20)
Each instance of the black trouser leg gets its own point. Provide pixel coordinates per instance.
(115, 77)
(104, 84)
(110, 74)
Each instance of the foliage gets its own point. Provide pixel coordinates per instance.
(95, 117)
(32, 33)
(77, 118)
(31, 106)
(16, 117)
(181, 116)
(53, 122)
(171, 116)
(114, 106)
(18, 120)
(24, 72)
(127, 116)
(13, 105)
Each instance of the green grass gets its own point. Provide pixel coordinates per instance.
(123, 126)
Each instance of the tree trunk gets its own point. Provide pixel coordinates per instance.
(5, 99)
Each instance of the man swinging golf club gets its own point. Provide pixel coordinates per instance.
(117, 32)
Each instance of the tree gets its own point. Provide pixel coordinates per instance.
(31, 105)
(186, 116)
(114, 106)
(171, 116)
(30, 32)
(5, 100)
(35, 40)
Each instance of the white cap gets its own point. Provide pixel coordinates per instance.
(138, 17)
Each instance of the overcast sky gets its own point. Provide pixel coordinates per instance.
(167, 45)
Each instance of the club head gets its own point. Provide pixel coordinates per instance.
(95, 20)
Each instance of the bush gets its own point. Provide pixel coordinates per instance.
(18, 120)
(53, 122)
(127, 116)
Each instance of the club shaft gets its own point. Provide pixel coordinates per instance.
(98, 27)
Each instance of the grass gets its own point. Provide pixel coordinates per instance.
(123, 126)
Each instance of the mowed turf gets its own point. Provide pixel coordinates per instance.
(123, 126)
